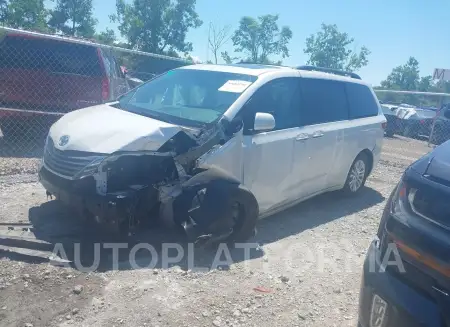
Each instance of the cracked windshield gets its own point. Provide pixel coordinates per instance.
(224, 163)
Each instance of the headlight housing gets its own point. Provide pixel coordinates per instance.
(92, 167)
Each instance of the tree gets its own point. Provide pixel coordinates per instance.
(157, 26)
(106, 37)
(217, 38)
(329, 48)
(73, 17)
(25, 14)
(260, 38)
(226, 57)
(404, 77)
(3, 10)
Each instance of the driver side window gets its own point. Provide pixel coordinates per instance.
(280, 98)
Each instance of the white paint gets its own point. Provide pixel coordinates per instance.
(105, 129)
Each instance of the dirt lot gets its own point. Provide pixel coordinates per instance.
(305, 271)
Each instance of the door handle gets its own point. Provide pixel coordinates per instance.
(302, 137)
(317, 134)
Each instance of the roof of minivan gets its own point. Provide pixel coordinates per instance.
(258, 69)
(247, 69)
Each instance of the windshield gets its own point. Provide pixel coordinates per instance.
(187, 96)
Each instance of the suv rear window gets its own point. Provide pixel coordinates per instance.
(361, 100)
(323, 101)
(44, 54)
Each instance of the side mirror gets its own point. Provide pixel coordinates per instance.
(264, 122)
(447, 113)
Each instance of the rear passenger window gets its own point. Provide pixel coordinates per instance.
(361, 100)
(324, 101)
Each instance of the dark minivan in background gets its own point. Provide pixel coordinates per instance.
(44, 77)
(406, 278)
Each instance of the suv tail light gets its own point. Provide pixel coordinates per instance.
(105, 89)
(384, 125)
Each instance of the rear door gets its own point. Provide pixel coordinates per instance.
(364, 130)
(323, 116)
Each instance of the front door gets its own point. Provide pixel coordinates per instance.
(268, 156)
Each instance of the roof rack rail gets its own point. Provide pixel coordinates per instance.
(329, 70)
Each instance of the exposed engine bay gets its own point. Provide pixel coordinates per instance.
(132, 189)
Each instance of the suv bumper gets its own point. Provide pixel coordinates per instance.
(405, 306)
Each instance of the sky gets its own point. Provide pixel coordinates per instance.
(393, 30)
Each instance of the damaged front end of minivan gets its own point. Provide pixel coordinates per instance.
(173, 186)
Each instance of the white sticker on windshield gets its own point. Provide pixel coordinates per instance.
(234, 86)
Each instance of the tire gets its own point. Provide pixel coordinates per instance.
(248, 215)
(389, 133)
(229, 208)
(408, 131)
(357, 175)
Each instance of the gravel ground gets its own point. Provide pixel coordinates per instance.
(305, 271)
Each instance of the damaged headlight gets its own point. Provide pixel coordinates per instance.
(92, 167)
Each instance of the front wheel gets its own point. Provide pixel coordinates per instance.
(221, 212)
(357, 175)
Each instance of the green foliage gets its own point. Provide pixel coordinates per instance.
(106, 37)
(404, 77)
(24, 14)
(73, 17)
(3, 11)
(227, 58)
(260, 38)
(329, 48)
(157, 26)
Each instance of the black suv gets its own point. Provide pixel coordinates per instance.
(406, 280)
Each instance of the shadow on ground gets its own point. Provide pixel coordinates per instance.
(89, 249)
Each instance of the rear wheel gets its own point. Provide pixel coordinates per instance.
(389, 133)
(408, 131)
(357, 175)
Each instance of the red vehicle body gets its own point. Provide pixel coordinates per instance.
(42, 78)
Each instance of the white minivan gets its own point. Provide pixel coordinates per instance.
(213, 147)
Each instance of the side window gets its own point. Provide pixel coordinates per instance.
(324, 101)
(361, 100)
(279, 97)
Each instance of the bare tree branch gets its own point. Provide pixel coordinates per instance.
(217, 38)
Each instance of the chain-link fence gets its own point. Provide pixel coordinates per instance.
(42, 77)
(418, 115)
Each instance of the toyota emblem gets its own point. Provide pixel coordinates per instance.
(63, 140)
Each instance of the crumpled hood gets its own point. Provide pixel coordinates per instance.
(105, 129)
